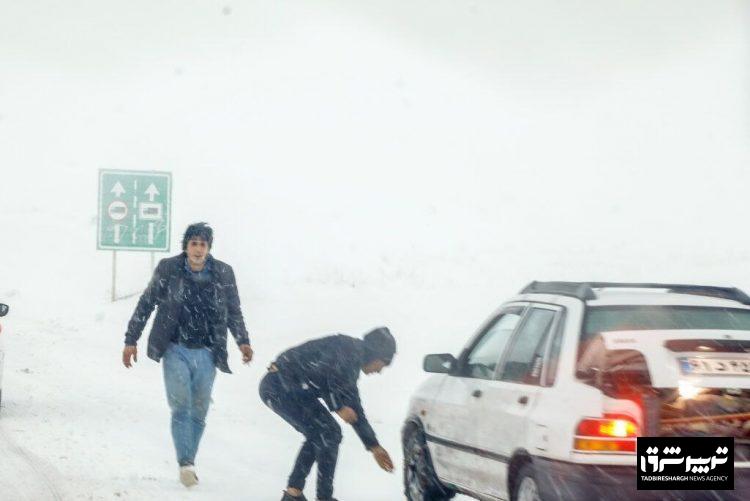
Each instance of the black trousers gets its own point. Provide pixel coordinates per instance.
(310, 417)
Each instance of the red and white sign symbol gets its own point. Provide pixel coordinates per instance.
(117, 210)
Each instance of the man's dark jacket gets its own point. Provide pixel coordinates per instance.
(329, 368)
(165, 292)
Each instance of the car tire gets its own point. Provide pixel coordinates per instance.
(420, 481)
(525, 486)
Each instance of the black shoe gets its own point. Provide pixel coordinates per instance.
(289, 497)
(328, 499)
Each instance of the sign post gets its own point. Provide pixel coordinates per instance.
(134, 213)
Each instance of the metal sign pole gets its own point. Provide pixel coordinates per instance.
(152, 261)
(114, 276)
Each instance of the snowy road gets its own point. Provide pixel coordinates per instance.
(76, 425)
(24, 476)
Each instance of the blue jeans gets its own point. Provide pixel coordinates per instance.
(188, 378)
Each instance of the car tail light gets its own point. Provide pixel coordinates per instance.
(606, 435)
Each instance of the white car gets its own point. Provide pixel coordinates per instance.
(3, 312)
(547, 398)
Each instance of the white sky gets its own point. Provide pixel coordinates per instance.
(411, 144)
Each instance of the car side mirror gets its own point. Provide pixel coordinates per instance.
(4, 309)
(441, 363)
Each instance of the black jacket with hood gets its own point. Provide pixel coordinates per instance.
(165, 292)
(329, 367)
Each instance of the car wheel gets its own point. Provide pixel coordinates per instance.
(420, 481)
(526, 487)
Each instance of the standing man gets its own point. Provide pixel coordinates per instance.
(196, 300)
(326, 368)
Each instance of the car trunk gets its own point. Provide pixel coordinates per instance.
(683, 382)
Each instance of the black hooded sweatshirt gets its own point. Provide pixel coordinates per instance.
(329, 367)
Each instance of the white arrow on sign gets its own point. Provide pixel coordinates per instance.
(151, 191)
(118, 190)
(151, 233)
(117, 233)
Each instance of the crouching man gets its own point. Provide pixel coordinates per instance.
(326, 368)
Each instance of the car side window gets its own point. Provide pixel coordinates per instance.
(554, 352)
(485, 355)
(523, 364)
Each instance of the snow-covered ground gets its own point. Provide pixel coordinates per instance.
(90, 429)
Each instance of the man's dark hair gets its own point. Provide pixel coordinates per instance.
(199, 230)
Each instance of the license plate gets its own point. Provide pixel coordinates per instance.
(715, 366)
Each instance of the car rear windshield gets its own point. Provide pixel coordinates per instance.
(626, 318)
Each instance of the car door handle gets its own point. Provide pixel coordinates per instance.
(476, 393)
(523, 400)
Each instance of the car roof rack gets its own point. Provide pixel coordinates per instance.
(580, 290)
(585, 290)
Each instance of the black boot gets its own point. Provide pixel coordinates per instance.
(289, 497)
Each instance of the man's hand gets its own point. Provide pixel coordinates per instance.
(347, 414)
(127, 353)
(247, 353)
(382, 458)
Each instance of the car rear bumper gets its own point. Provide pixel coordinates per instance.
(572, 481)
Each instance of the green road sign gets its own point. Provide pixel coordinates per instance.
(134, 210)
